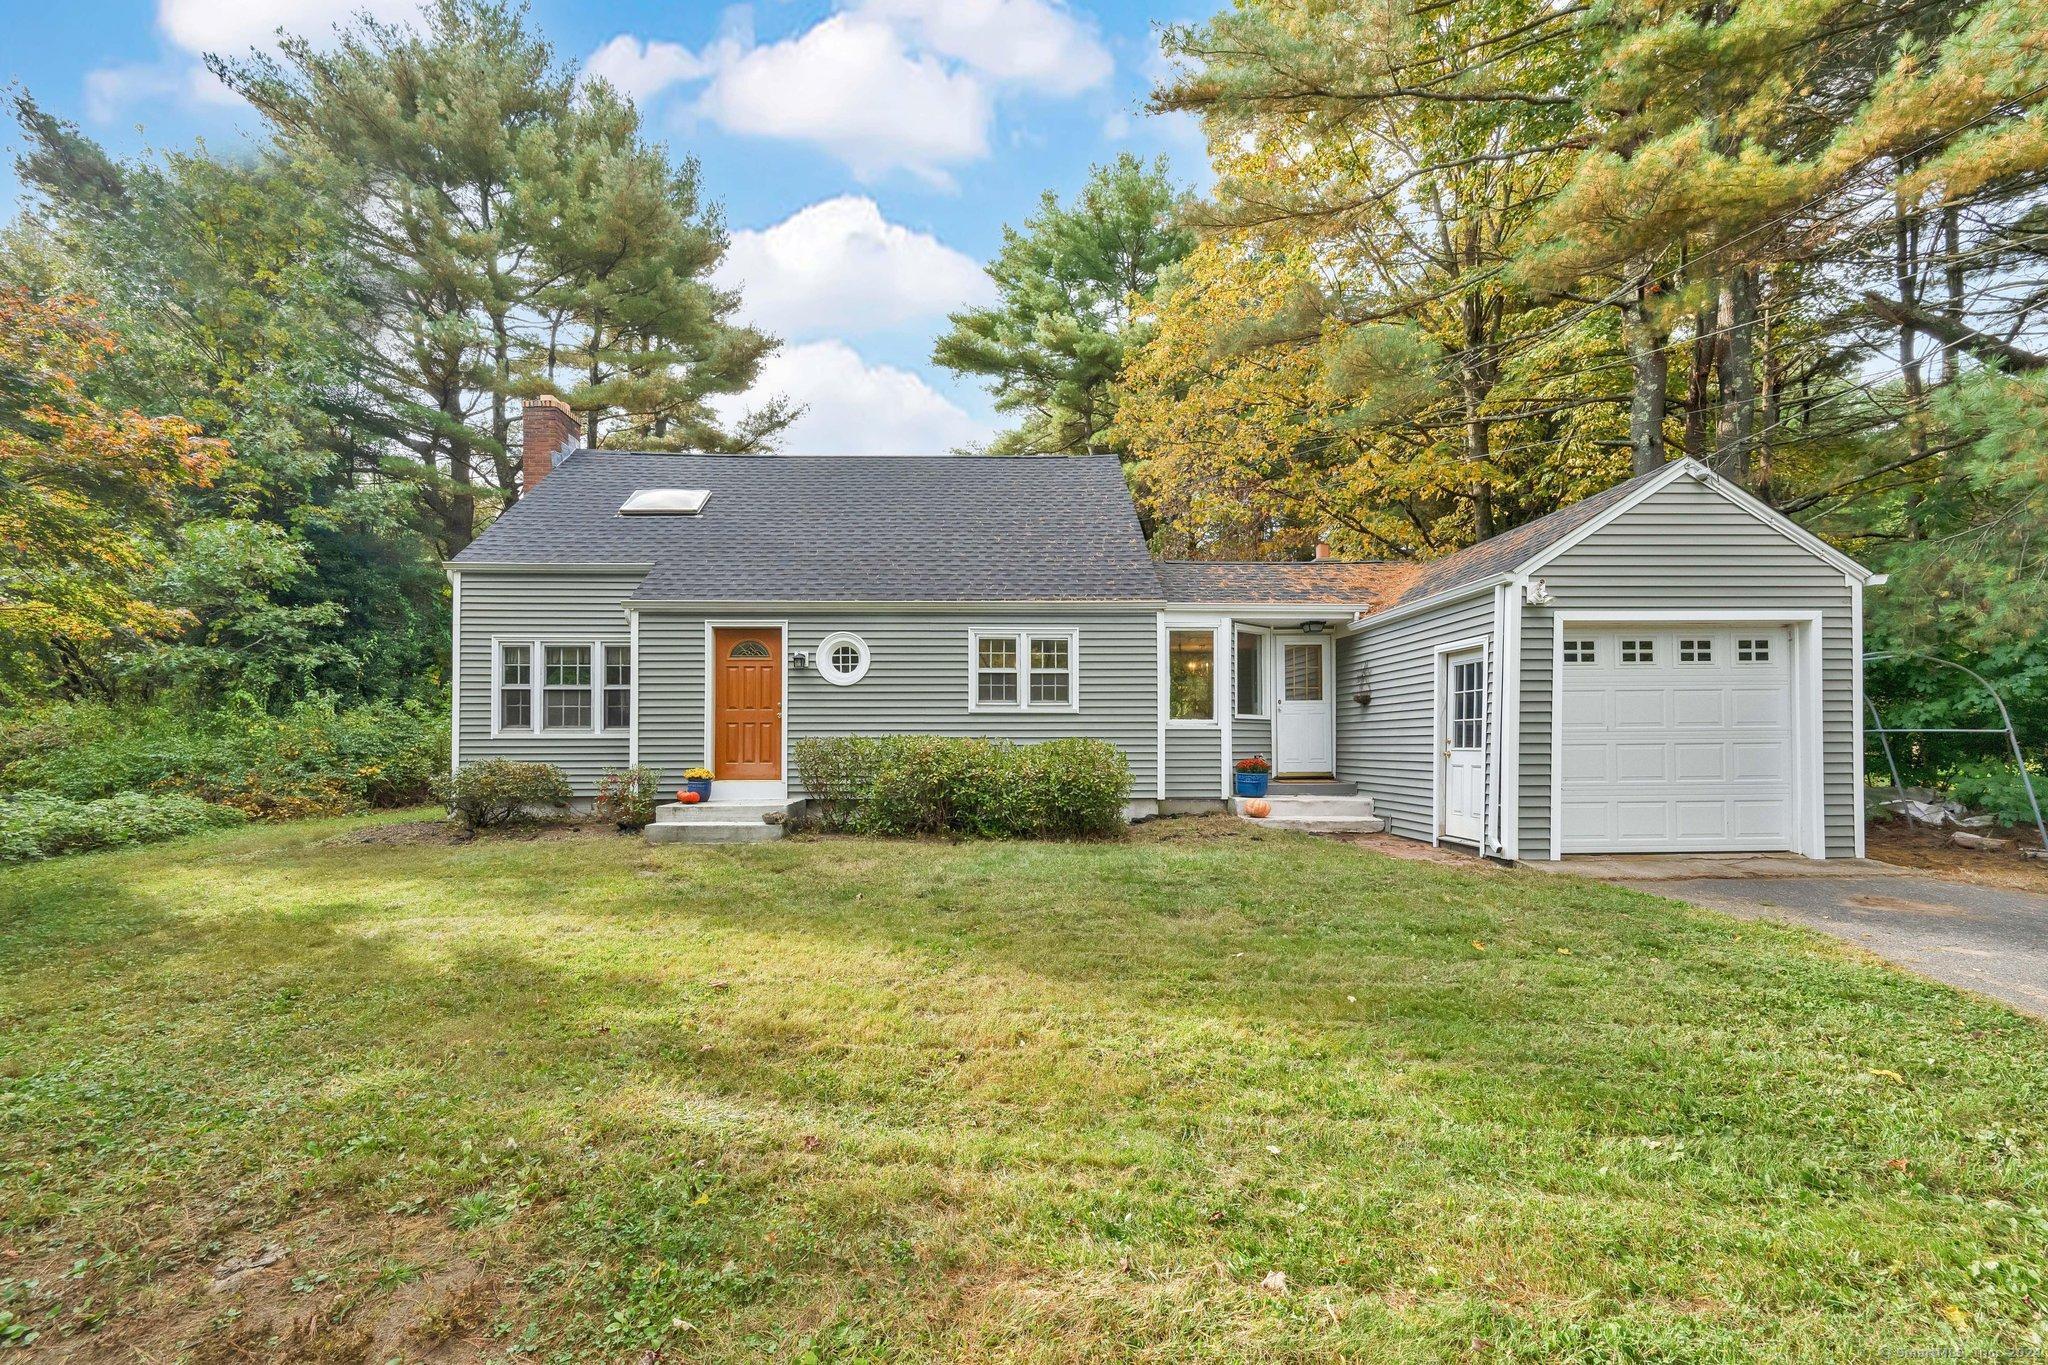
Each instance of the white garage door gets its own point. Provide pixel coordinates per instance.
(1677, 739)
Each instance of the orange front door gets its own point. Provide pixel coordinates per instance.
(747, 715)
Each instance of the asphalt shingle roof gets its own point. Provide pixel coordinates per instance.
(826, 529)
(1244, 582)
(937, 529)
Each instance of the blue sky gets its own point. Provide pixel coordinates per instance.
(867, 152)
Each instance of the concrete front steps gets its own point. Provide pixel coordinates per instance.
(1317, 813)
(716, 822)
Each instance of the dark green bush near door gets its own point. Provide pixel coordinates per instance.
(978, 788)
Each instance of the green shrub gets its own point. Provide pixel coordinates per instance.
(626, 796)
(979, 788)
(1993, 786)
(498, 791)
(316, 759)
(837, 777)
(37, 825)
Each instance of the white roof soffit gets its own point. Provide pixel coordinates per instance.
(665, 502)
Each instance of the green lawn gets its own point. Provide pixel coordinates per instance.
(852, 1100)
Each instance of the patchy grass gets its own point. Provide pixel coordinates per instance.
(289, 1092)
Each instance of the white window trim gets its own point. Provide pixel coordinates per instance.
(1023, 635)
(633, 699)
(1266, 652)
(537, 686)
(1222, 657)
(631, 689)
(1809, 709)
(824, 656)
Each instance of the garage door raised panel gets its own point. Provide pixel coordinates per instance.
(1676, 739)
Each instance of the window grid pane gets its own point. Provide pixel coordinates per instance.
(568, 708)
(1639, 651)
(1191, 674)
(514, 670)
(1051, 670)
(996, 677)
(1753, 651)
(1468, 702)
(1580, 652)
(618, 666)
(1695, 651)
(568, 665)
(515, 708)
(1302, 666)
(845, 658)
(618, 708)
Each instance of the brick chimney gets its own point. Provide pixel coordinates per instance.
(1322, 549)
(547, 430)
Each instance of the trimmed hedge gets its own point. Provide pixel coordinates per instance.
(35, 825)
(498, 791)
(901, 785)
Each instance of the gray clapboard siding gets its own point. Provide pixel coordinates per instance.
(1194, 761)
(1389, 747)
(1251, 735)
(916, 682)
(671, 694)
(547, 607)
(1685, 547)
(918, 673)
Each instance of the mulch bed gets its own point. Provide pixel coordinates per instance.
(448, 832)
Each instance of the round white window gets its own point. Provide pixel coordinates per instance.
(843, 658)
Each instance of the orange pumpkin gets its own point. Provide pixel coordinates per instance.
(1258, 810)
(689, 798)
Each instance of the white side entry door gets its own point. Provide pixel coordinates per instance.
(1462, 741)
(1304, 721)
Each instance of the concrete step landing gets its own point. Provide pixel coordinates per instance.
(716, 822)
(1318, 814)
(1310, 786)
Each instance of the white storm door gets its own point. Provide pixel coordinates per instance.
(1464, 746)
(1304, 720)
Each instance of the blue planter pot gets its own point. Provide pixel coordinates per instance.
(1253, 784)
(699, 785)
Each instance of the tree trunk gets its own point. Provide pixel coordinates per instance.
(1651, 370)
(1696, 387)
(1773, 370)
(1735, 358)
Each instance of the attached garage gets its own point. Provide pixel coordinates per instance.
(1679, 737)
(1666, 666)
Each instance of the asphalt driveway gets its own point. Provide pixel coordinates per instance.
(1982, 938)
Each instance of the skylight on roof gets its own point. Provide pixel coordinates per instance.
(665, 502)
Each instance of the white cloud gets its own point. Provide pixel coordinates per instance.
(840, 266)
(230, 27)
(850, 86)
(644, 70)
(1035, 43)
(110, 90)
(854, 408)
